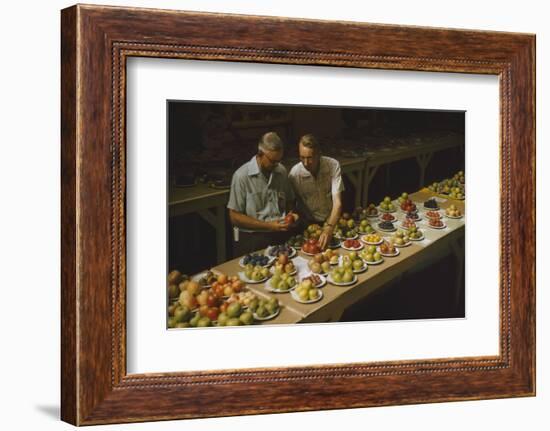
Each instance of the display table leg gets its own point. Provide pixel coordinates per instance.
(216, 218)
(356, 179)
(370, 171)
(423, 161)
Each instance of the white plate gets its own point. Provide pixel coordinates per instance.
(353, 249)
(271, 316)
(290, 255)
(361, 270)
(349, 283)
(386, 211)
(403, 245)
(374, 215)
(391, 255)
(270, 288)
(405, 228)
(348, 237)
(309, 301)
(246, 280)
(376, 262)
(430, 209)
(272, 271)
(309, 254)
(335, 246)
(394, 218)
(322, 277)
(269, 262)
(432, 217)
(437, 227)
(197, 277)
(386, 230)
(454, 218)
(364, 241)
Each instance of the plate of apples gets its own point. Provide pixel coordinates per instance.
(388, 249)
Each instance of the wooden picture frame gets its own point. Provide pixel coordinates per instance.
(95, 43)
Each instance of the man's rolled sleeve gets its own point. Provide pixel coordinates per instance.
(237, 195)
(337, 183)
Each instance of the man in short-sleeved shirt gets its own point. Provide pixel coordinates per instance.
(317, 184)
(260, 197)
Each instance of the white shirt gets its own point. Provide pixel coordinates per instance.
(314, 194)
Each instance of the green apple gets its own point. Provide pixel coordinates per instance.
(307, 284)
(313, 293)
(246, 318)
(325, 266)
(264, 272)
(357, 264)
(203, 322)
(234, 321)
(369, 257)
(348, 276)
(195, 320)
(352, 255)
(377, 256)
(303, 294)
(222, 319)
(234, 309)
(387, 199)
(282, 285)
(337, 277)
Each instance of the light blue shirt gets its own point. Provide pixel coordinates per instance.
(262, 198)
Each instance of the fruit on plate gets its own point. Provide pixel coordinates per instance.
(255, 273)
(387, 247)
(370, 254)
(413, 216)
(331, 256)
(387, 205)
(408, 205)
(341, 274)
(306, 291)
(408, 223)
(386, 225)
(313, 278)
(400, 238)
(296, 241)
(313, 231)
(282, 282)
(435, 222)
(372, 238)
(431, 204)
(277, 250)
(311, 246)
(414, 233)
(355, 260)
(207, 278)
(256, 259)
(453, 211)
(352, 243)
(265, 307)
(280, 268)
(372, 210)
(387, 217)
(404, 197)
(433, 214)
(365, 227)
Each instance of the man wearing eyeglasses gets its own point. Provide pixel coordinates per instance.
(260, 197)
(318, 186)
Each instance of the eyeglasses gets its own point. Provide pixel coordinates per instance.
(273, 162)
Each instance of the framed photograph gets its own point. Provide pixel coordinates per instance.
(267, 215)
